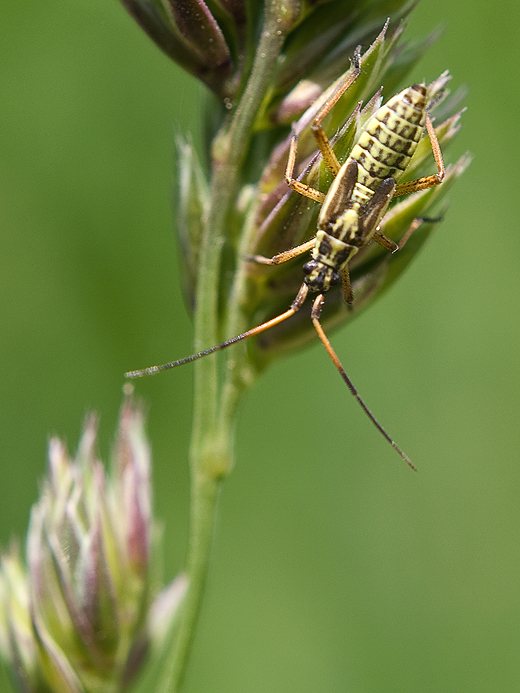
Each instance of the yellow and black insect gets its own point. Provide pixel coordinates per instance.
(352, 209)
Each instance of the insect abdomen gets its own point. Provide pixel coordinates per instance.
(389, 140)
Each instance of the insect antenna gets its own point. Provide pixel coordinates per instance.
(295, 306)
(315, 315)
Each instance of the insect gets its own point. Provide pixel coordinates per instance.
(351, 211)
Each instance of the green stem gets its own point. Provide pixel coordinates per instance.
(239, 372)
(211, 448)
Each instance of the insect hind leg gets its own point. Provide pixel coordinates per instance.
(427, 181)
(317, 130)
(295, 184)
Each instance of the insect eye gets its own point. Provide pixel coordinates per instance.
(309, 267)
(335, 279)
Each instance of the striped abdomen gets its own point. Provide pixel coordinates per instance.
(383, 151)
(389, 140)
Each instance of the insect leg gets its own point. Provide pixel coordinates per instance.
(295, 306)
(428, 181)
(297, 185)
(384, 241)
(411, 229)
(302, 189)
(346, 286)
(286, 255)
(316, 313)
(414, 226)
(319, 133)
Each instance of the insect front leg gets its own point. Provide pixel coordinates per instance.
(385, 242)
(416, 223)
(286, 255)
(346, 286)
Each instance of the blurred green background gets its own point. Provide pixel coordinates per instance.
(335, 567)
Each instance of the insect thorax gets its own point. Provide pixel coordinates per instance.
(329, 255)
